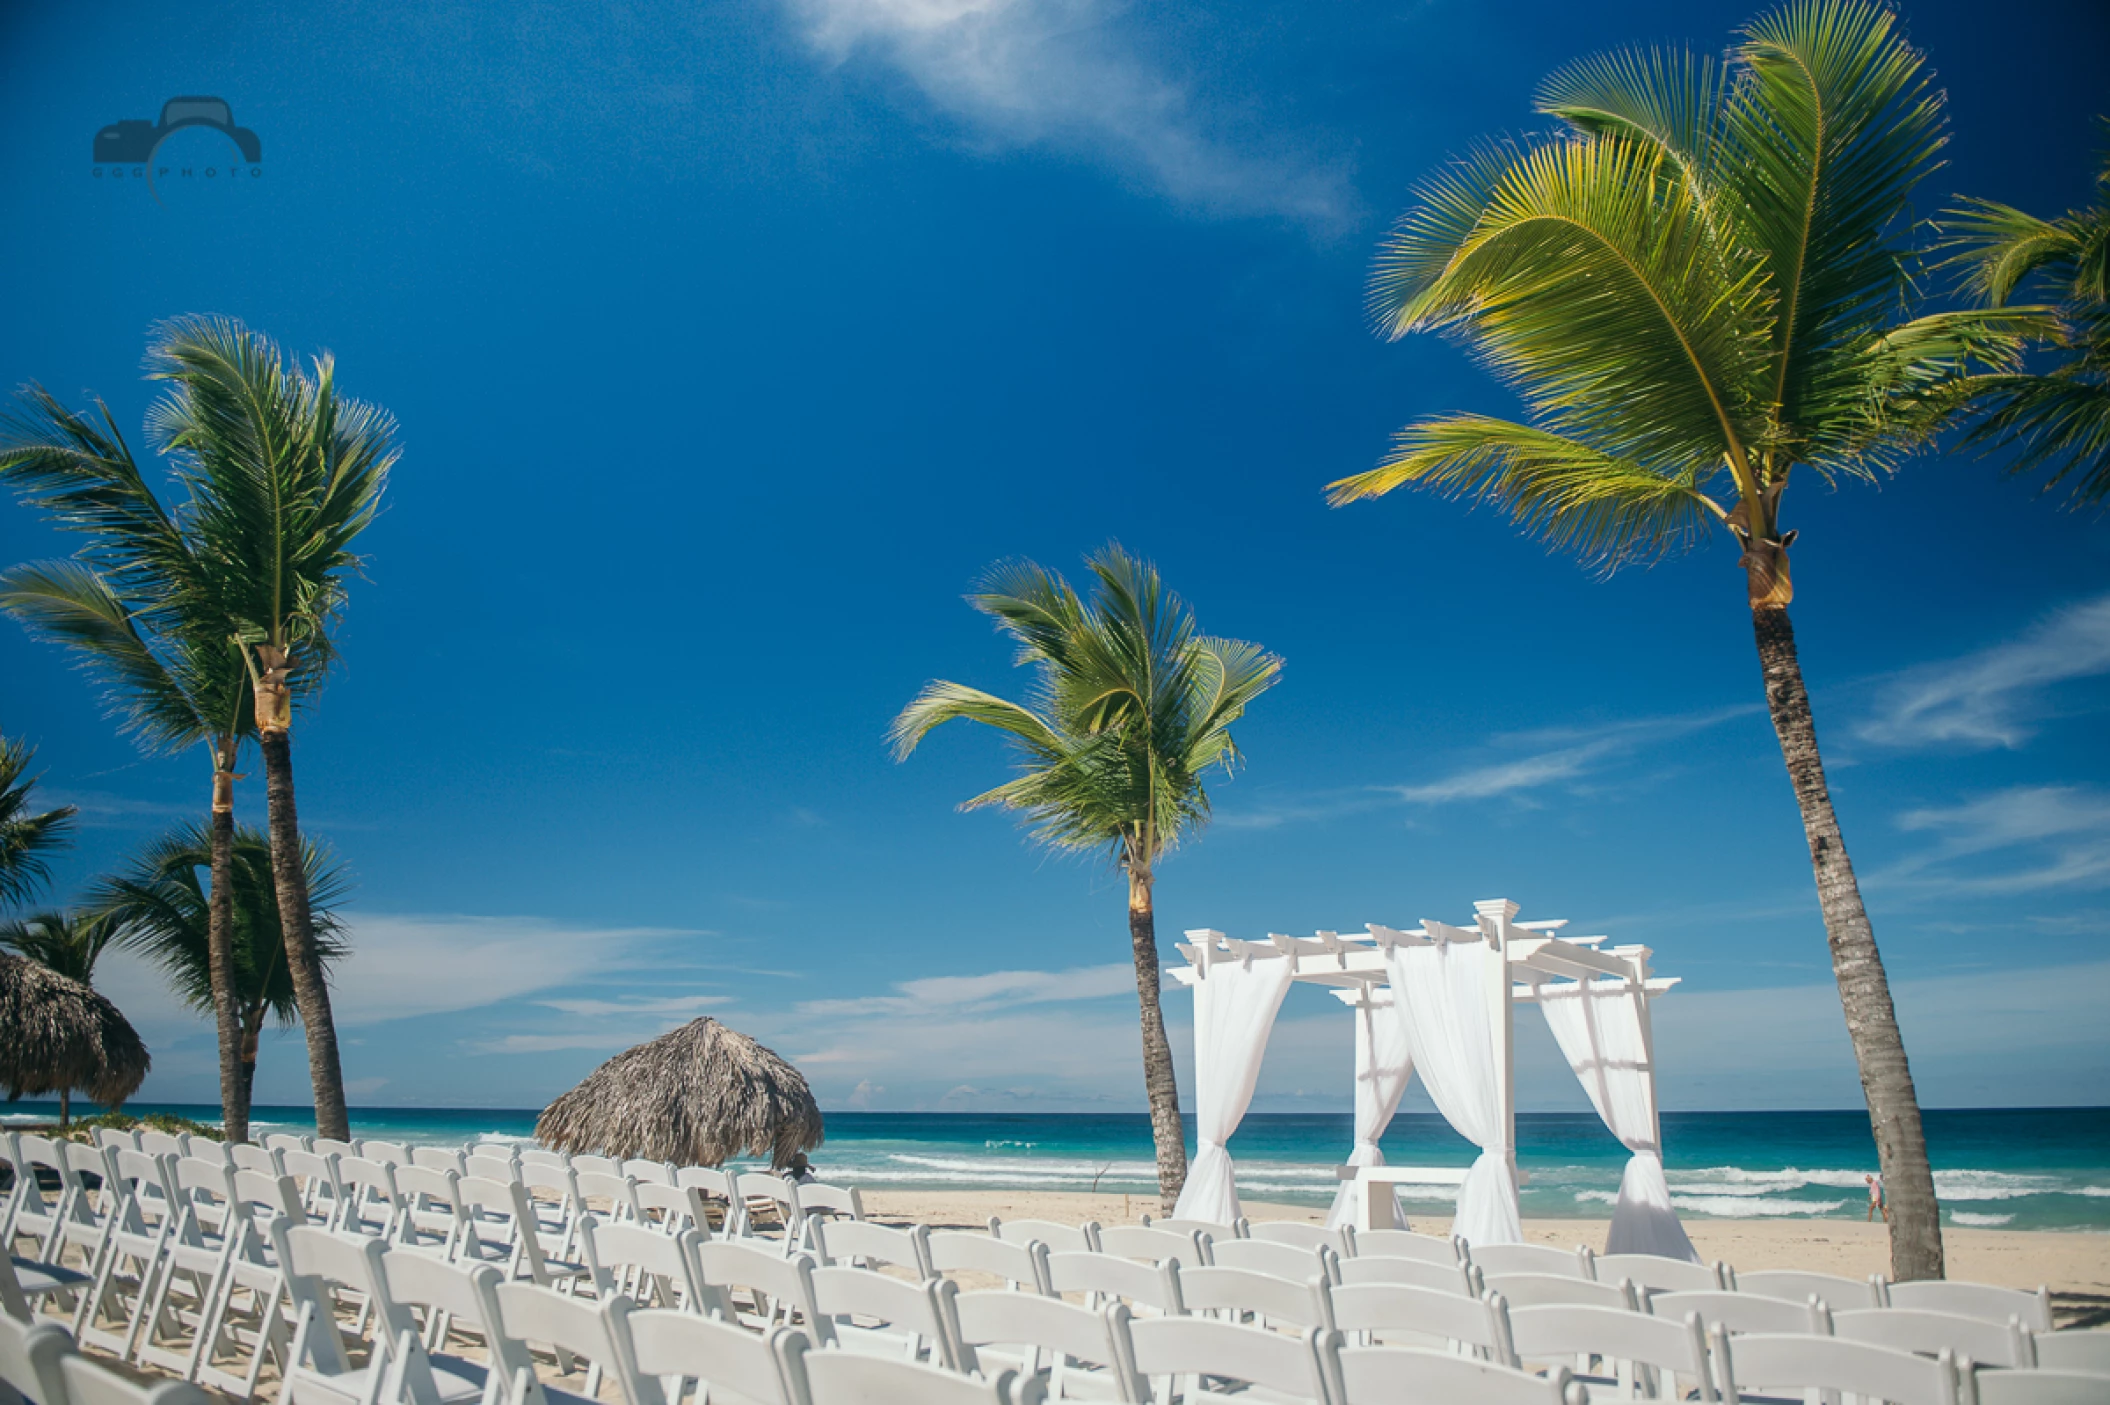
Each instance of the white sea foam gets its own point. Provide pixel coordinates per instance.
(2096, 1192)
(1738, 1207)
(1965, 1217)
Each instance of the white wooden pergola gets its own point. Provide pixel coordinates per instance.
(1520, 963)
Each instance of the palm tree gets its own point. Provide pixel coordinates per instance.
(136, 611)
(69, 943)
(1696, 289)
(160, 907)
(26, 838)
(285, 473)
(1130, 706)
(2059, 420)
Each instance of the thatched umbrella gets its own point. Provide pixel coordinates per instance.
(57, 1034)
(694, 1096)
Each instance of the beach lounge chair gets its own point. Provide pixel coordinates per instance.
(1399, 1314)
(1837, 1293)
(1166, 1351)
(1401, 1375)
(1992, 1386)
(1291, 1261)
(2074, 1351)
(1981, 1300)
(1492, 1259)
(1773, 1363)
(1242, 1295)
(1637, 1351)
(1304, 1236)
(1459, 1278)
(1746, 1312)
(847, 1378)
(1080, 1352)
(1100, 1277)
(1060, 1238)
(1912, 1329)
(882, 1316)
(676, 1348)
(1024, 1267)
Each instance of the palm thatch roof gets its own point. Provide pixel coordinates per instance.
(695, 1096)
(58, 1035)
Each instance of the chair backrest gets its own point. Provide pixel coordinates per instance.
(724, 1264)
(598, 1165)
(1915, 1329)
(1305, 1236)
(1996, 1387)
(543, 1156)
(2072, 1350)
(405, 1279)
(1063, 1330)
(314, 1262)
(822, 1198)
(204, 1148)
(1656, 1273)
(392, 1153)
(437, 1158)
(490, 1168)
(1060, 1238)
(1404, 1315)
(1292, 1261)
(620, 1192)
(288, 1141)
(248, 1156)
(1981, 1300)
(116, 1140)
(1805, 1361)
(1208, 1288)
(266, 1197)
(648, 1172)
(1492, 1259)
(1406, 1244)
(643, 1263)
(708, 1179)
(199, 1182)
(1402, 1375)
(330, 1146)
(671, 1207)
(86, 1381)
(1744, 1312)
(150, 1180)
(1677, 1345)
(1215, 1229)
(1837, 1293)
(529, 1313)
(851, 1241)
(726, 1360)
(1546, 1289)
(850, 1378)
(963, 1251)
(1196, 1346)
(1154, 1286)
(155, 1143)
(555, 1178)
(1130, 1241)
(1442, 1278)
(923, 1309)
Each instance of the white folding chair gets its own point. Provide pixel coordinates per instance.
(779, 1287)
(1100, 1277)
(1215, 1229)
(431, 1218)
(1400, 1314)
(117, 1141)
(846, 1378)
(1914, 1329)
(451, 1296)
(1996, 1387)
(290, 1141)
(819, 1200)
(1023, 1266)
(648, 1267)
(1550, 1289)
(648, 1172)
(1406, 1244)
(155, 1143)
(1240, 1295)
(492, 1168)
(1455, 1277)
(142, 1219)
(320, 1194)
(727, 1363)
(598, 1332)
(863, 1244)
(1404, 1375)
(882, 1316)
(321, 1267)
(1656, 1273)
(1492, 1259)
(542, 1156)
(32, 1214)
(1060, 1238)
(438, 1158)
(671, 1209)
(1127, 1241)
(86, 1381)
(1837, 1293)
(171, 1329)
(553, 1195)
(1981, 1300)
(1292, 1261)
(29, 1359)
(205, 1148)
(248, 1156)
(370, 1202)
(605, 1196)
(498, 1227)
(244, 1319)
(1342, 1241)
(25, 1282)
(2070, 1350)
(1206, 1354)
(772, 1196)
(1638, 1351)
(591, 1165)
(716, 1185)
(85, 1219)
(1746, 1312)
(387, 1153)
(1081, 1353)
(1774, 1362)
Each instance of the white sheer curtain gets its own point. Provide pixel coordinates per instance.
(1602, 1030)
(1442, 998)
(1382, 1068)
(1234, 1011)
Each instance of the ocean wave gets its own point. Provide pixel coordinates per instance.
(1965, 1217)
(1741, 1207)
(2095, 1192)
(1964, 1185)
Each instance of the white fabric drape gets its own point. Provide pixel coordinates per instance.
(1382, 1068)
(1234, 1011)
(1602, 1030)
(1442, 997)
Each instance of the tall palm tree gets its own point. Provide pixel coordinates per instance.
(1130, 707)
(68, 942)
(160, 907)
(2059, 420)
(1697, 289)
(136, 610)
(284, 473)
(26, 837)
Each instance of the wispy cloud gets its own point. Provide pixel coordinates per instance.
(1991, 697)
(994, 990)
(2060, 835)
(672, 1005)
(1056, 73)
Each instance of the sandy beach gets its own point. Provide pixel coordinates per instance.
(2073, 1265)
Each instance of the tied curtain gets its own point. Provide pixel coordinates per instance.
(1441, 997)
(1234, 1011)
(1382, 1068)
(1602, 1028)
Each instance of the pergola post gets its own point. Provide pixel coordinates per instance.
(1494, 916)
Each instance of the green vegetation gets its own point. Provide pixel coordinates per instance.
(27, 835)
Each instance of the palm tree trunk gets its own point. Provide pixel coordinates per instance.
(310, 992)
(1159, 1079)
(252, 1033)
(65, 1106)
(1864, 991)
(219, 944)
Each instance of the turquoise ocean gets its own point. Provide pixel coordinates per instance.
(2006, 1168)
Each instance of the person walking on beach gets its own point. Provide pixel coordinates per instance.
(1876, 1204)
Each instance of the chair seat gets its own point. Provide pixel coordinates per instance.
(455, 1378)
(39, 1278)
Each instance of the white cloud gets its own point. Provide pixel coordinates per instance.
(2062, 831)
(671, 1005)
(1986, 699)
(1054, 72)
(993, 990)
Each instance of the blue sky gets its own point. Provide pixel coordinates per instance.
(731, 342)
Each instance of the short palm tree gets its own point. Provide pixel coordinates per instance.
(285, 473)
(2057, 422)
(68, 942)
(1697, 289)
(1130, 708)
(27, 836)
(135, 608)
(160, 907)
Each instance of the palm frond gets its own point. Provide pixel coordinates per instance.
(67, 942)
(27, 838)
(1669, 100)
(940, 702)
